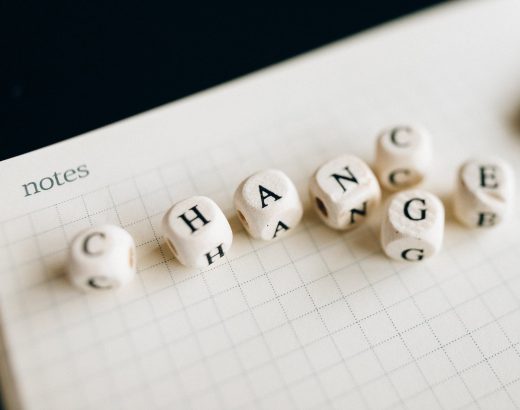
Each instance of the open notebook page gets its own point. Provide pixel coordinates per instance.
(319, 319)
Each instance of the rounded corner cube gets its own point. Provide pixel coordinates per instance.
(101, 257)
(484, 192)
(197, 231)
(403, 156)
(268, 204)
(344, 191)
(413, 225)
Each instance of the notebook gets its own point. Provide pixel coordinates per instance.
(319, 319)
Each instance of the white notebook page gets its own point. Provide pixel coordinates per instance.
(320, 319)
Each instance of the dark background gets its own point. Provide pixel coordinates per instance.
(68, 68)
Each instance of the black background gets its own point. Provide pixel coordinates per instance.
(72, 67)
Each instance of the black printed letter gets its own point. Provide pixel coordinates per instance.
(86, 248)
(99, 282)
(393, 137)
(265, 193)
(486, 219)
(393, 174)
(420, 254)
(279, 227)
(339, 177)
(220, 253)
(487, 172)
(423, 210)
(354, 211)
(198, 215)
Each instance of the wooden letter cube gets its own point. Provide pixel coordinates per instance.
(268, 204)
(197, 232)
(484, 192)
(344, 192)
(101, 258)
(413, 225)
(403, 156)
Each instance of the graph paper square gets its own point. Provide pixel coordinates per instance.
(453, 392)
(408, 380)
(504, 365)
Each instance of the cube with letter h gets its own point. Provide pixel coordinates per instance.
(197, 232)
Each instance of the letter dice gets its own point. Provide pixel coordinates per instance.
(197, 232)
(403, 156)
(344, 191)
(484, 192)
(413, 225)
(101, 258)
(268, 204)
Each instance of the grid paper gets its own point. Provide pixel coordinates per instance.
(318, 319)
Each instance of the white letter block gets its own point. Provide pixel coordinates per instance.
(413, 225)
(268, 204)
(484, 192)
(403, 156)
(197, 232)
(102, 258)
(344, 192)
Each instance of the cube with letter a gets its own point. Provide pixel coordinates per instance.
(268, 204)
